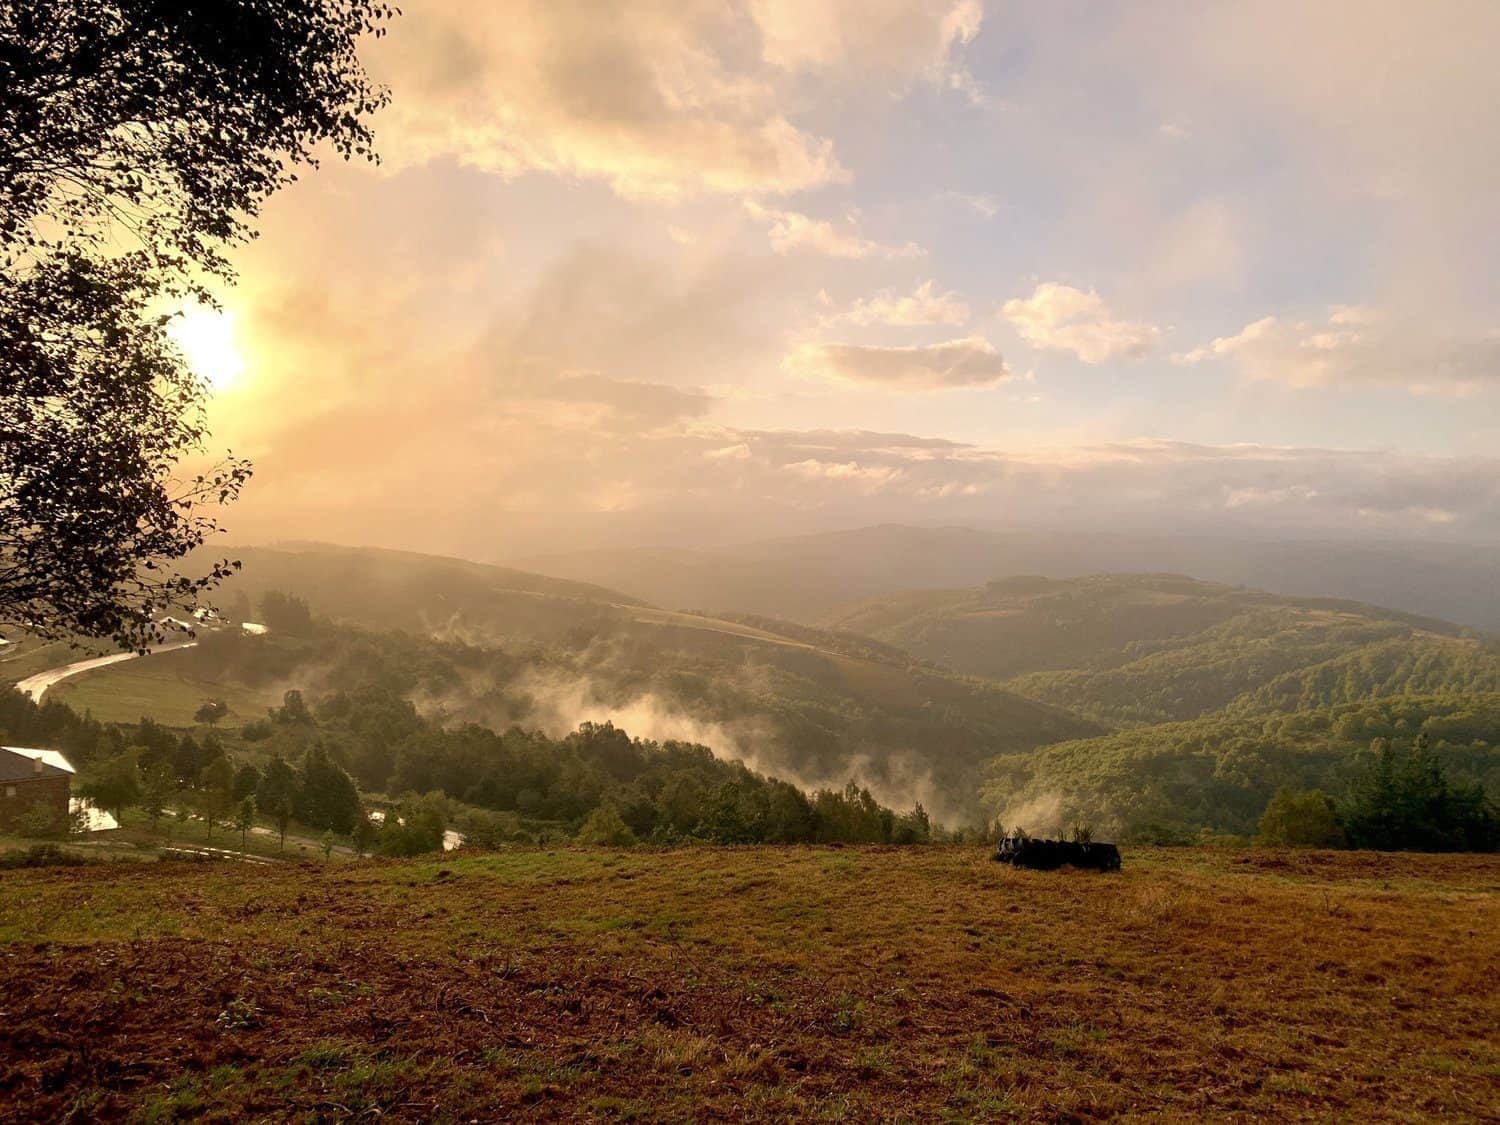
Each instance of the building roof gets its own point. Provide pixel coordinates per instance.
(18, 763)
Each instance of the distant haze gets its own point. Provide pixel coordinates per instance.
(803, 578)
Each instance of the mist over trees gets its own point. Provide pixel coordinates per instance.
(138, 143)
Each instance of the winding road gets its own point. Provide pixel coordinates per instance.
(36, 686)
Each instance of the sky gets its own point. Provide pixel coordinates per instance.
(694, 271)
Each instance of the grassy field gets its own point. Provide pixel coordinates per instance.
(755, 984)
(162, 686)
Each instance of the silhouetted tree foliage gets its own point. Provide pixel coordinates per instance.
(159, 127)
(96, 411)
(157, 787)
(216, 793)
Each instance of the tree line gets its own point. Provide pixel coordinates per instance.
(303, 765)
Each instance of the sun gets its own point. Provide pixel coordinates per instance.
(207, 339)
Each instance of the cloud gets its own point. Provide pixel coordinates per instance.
(652, 97)
(791, 231)
(1355, 346)
(1061, 318)
(902, 39)
(986, 205)
(969, 362)
(924, 305)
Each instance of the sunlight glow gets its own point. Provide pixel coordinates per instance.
(207, 339)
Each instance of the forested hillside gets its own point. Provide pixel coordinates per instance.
(1168, 782)
(813, 708)
(1158, 648)
(1218, 696)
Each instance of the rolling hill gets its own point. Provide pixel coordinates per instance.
(501, 647)
(1158, 648)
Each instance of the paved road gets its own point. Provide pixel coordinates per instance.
(36, 686)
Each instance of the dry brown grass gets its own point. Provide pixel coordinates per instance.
(756, 984)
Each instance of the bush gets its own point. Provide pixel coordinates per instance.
(605, 828)
(40, 821)
(1301, 819)
(42, 855)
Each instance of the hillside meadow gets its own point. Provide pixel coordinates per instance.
(755, 984)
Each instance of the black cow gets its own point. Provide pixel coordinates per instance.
(1049, 855)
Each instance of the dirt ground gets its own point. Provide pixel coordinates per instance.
(727, 984)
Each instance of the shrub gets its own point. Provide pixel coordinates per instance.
(1301, 819)
(604, 827)
(42, 855)
(40, 821)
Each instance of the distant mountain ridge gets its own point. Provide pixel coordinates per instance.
(805, 577)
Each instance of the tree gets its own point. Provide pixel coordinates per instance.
(244, 818)
(97, 408)
(326, 794)
(1404, 800)
(414, 827)
(276, 796)
(218, 791)
(604, 827)
(159, 127)
(246, 779)
(157, 790)
(293, 710)
(211, 712)
(365, 833)
(914, 827)
(286, 613)
(1301, 819)
(326, 843)
(113, 784)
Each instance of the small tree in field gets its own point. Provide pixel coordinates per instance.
(1301, 819)
(244, 818)
(276, 796)
(365, 833)
(156, 791)
(606, 828)
(218, 791)
(211, 712)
